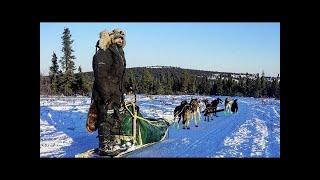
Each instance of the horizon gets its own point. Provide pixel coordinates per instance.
(188, 69)
(220, 47)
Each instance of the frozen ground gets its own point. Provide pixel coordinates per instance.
(252, 132)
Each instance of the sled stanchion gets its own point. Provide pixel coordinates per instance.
(134, 124)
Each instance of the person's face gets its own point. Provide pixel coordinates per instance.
(119, 41)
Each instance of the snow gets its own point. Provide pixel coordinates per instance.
(252, 132)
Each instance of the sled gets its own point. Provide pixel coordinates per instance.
(134, 128)
(93, 153)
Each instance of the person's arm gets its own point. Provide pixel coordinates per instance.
(101, 62)
(122, 79)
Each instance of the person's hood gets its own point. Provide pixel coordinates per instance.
(106, 38)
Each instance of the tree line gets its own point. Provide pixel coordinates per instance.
(180, 81)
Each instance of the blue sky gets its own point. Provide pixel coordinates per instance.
(228, 47)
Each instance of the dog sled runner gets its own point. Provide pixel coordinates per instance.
(135, 129)
(92, 153)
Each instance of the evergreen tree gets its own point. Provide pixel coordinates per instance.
(60, 82)
(169, 84)
(67, 63)
(225, 87)
(159, 88)
(229, 85)
(219, 90)
(273, 88)
(176, 84)
(207, 86)
(184, 81)
(257, 89)
(80, 85)
(147, 81)
(131, 80)
(263, 85)
(241, 87)
(204, 86)
(246, 85)
(192, 85)
(214, 88)
(87, 84)
(250, 86)
(44, 85)
(277, 91)
(53, 74)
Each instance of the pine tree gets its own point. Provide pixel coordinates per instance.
(130, 80)
(273, 88)
(44, 87)
(176, 84)
(159, 88)
(219, 90)
(257, 89)
(87, 84)
(214, 88)
(263, 85)
(241, 87)
(169, 84)
(246, 85)
(67, 63)
(229, 85)
(192, 85)
(60, 82)
(41, 83)
(277, 91)
(184, 81)
(250, 86)
(207, 86)
(204, 86)
(225, 87)
(200, 86)
(78, 85)
(147, 81)
(53, 74)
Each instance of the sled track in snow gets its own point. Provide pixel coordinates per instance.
(253, 132)
(219, 131)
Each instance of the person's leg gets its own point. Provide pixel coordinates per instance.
(115, 119)
(103, 128)
(110, 127)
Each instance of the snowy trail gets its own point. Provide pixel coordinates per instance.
(62, 127)
(252, 132)
(202, 141)
(244, 134)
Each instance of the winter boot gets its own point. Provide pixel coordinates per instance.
(109, 146)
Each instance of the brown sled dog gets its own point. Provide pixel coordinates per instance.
(92, 118)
